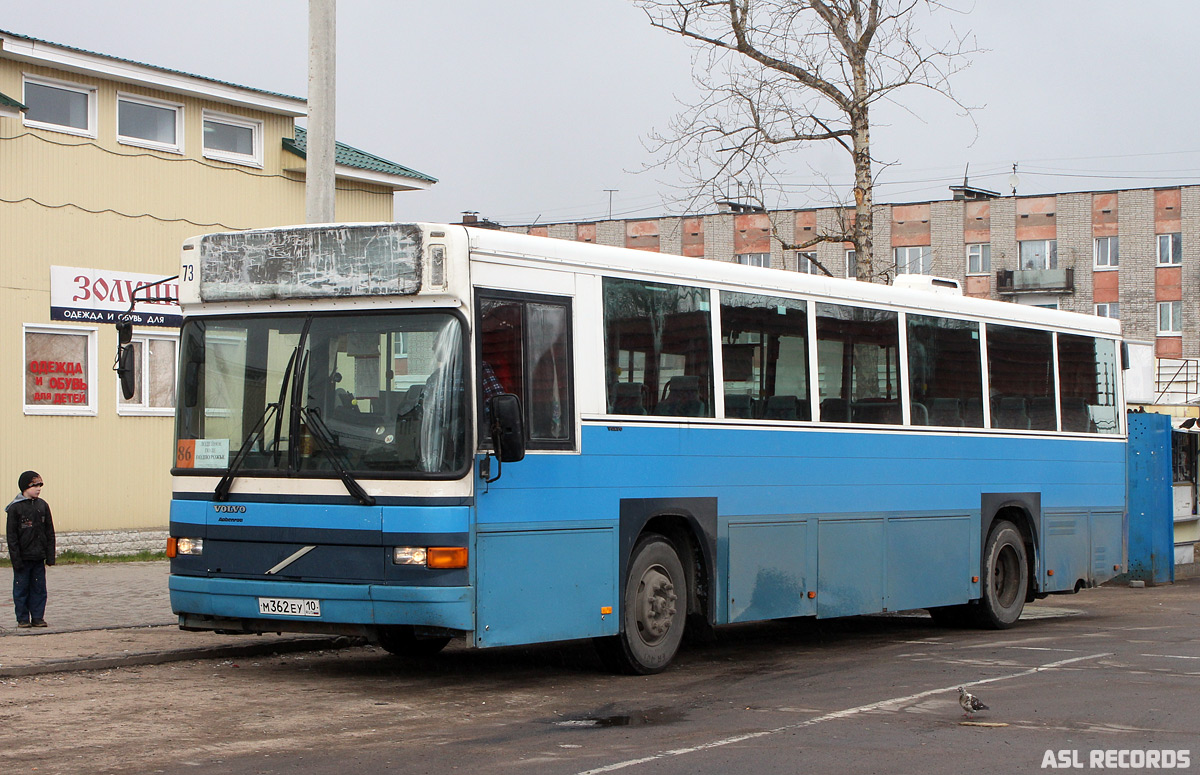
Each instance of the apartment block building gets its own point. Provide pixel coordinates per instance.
(1131, 254)
(106, 166)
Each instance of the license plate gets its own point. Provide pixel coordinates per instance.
(288, 606)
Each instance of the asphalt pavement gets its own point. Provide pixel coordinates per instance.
(118, 614)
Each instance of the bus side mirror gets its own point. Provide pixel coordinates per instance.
(124, 333)
(508, 428)
(1124, 356)
(125, 370)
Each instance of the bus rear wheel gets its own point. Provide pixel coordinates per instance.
(402, 641)
(1005, 577)
(654, 608)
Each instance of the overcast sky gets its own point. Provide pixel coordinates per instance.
(530, 109)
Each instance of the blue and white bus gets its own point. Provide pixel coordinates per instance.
(415, 432)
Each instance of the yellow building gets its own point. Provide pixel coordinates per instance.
(106, 166)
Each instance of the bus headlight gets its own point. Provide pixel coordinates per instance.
(408, 555)
(431, 557)
(178, 546)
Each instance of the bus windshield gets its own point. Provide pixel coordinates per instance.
(374, 394)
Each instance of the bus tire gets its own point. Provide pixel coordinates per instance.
(401, 641)
(654, 610)
(1005, 577)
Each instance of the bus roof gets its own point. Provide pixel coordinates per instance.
(672, 268)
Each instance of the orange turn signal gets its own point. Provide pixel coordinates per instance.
(171, 547)
(1049, 573)
(812, 595)
(974, 579)
(446, 557)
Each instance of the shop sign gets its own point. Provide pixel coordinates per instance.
(102, 296)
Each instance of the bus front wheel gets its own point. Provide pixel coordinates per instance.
(655, 605)
(1005, 577)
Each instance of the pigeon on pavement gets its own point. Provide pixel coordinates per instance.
(969, 702)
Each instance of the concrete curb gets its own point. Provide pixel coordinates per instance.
(285, 646)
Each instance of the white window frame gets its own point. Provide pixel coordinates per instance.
(1049, 254)
(176, 147)
(805, 262)
(1171, 259)
(902, 267)
(1175, 313)
(251, 160)
(976, 250)
(1105, 310)
(52, 83)
(72, 410)
(1109, 262)
(851, 264)
(142, 371)
(754, 259)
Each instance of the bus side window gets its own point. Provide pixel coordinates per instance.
(858, 352)
(524, 346)
(659, 336)
(944, 372)
(765, 352)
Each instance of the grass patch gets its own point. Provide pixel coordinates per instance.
(72, 557)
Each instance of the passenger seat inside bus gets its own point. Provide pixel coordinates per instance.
(738, 406)
(682, 398)
(629, 398)
(782, 408)
(945, 411)
(1010, 413)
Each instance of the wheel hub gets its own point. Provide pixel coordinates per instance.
(656, 599)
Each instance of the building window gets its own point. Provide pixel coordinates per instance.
(154, 377)
(979, 258)
(1170, 249)
(60, 106)
(1170, 318)
(1039, 254)
(60, 370)
(754, 259)
(1110, 309)
(231, 139)
(1107, 253)
(914, 260)
(806, 263)
(149, 123)
(852, 264)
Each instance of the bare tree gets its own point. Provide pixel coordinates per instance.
(777, 74)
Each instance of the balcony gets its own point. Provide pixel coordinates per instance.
(1015, 281)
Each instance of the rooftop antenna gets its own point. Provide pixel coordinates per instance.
(610, 191)
(1013, 180)
(965, 170)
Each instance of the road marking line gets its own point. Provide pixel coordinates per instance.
(835, 715)
(1169, 656)
(1043, 648)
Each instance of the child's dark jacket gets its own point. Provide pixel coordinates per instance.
(30, 532)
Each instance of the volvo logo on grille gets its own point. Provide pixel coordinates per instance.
(225, 508)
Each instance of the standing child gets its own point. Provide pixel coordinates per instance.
(31, 548)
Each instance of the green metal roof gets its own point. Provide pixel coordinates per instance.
(352, 157)
(6, 33)
(9, 102)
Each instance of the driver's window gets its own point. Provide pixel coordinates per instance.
(524, 347)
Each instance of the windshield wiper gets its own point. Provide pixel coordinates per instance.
(326, 441)
(221, 492)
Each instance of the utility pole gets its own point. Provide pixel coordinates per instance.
(610, 191)
(322, 106)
